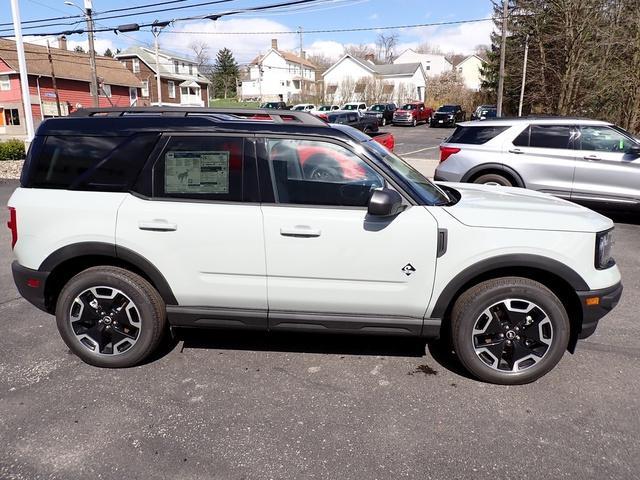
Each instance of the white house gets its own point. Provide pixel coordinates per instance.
(432, 64)
(469, 70)
(353, 79)
(276, 76)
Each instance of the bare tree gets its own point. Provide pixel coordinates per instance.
(386, 46)
(200, 49)
(428, 48)
(360, 50)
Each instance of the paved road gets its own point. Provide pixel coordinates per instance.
(229, 406)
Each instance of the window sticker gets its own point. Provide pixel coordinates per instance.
(197, 172)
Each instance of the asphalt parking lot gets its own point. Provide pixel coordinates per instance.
(254, 406)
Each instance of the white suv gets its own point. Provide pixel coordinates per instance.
(130, 221)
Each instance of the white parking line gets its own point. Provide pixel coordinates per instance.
(418, 151)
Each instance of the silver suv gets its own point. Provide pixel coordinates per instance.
(586, 161)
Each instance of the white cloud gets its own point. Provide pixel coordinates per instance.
(461, 38)
(100, 44)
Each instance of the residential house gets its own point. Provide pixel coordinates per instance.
(355, 79)
(118, 87)
(470, 71)
(181, 82)
(433, 64)
(279, 76)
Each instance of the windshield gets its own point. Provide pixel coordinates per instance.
(350, 106)
(269, 105)
(377, 108)
(325, 108)
(429, 193)
(336, 118)
(447, 108)
(298, 107)
(409, 106)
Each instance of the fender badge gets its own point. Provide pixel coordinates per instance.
(408, 269)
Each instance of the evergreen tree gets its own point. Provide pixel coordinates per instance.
(108, 53)
(79, 49)
(225, 73)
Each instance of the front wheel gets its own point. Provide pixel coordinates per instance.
(493, 179)
(509, 330)
(110, 317)
(414, 123)
(384, 122)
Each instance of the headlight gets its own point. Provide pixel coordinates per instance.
(604, 244)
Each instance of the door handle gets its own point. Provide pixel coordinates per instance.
(516, 150)
(304, 231)
(157, 225)
(592, 157)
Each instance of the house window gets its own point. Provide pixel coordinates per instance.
(136, 65)
(11, 116)
(133, 95)
(190, 69)
(145, 88)
(176, 67)
(428, 67)
(171, 86)
(5, 83)
(105, 91)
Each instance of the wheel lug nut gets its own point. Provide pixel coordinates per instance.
(508, 342)
(502, 335)
(517, 337)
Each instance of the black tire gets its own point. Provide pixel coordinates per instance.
(516, 356)
(366, 130)
(494, 179)
(414, 123)
(144, 303)
(384, 122)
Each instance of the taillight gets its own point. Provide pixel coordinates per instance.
(13, 226)
(446, 152)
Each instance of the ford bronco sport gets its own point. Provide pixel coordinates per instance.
(129, 221)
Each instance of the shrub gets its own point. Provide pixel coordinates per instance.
(12, 150)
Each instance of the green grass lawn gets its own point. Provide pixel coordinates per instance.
(230, 102)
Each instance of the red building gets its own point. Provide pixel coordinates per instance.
(118, 86)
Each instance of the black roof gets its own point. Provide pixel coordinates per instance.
(127, 121)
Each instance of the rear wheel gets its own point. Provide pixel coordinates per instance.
(509, 330)
(494, 179)
(110, 317)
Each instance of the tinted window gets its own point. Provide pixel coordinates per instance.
(350, 107)
(408, 106)
(320, 173)
(201, 168)
(447, 108)
(475, 135)
(603, 139)
(377, 108)
(352, 117)
(337, 118)
(550, 136)
(522, 140)
(64, 159)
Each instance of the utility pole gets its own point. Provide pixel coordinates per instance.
(301, 66)
(524, 74)
(22, 63)
(53, 80)
(88, 12)
(156, 32)
(503, 49)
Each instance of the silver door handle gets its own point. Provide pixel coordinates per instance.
(592, 157)
(516, 150)
(303, 231)
(157, 225)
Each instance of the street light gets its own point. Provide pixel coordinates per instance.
(88, 7)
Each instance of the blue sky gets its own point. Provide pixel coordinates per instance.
(328, 14)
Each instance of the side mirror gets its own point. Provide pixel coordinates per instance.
(634, 150)
(385, 203)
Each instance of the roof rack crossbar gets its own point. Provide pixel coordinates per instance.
(277, 116)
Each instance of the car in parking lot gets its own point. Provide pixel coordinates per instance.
(586, 161)
(383, 112)
(447, 116)
(355, 119)
(484, 111)
(412, 113)
(126, 222)
(328, 108)
(361, 106)
(275, 105)
(304, 107)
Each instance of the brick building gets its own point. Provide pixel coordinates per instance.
(180, 81)
(118, 87)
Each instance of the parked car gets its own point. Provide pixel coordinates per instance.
(412, 113)
(586, 161)
(484, 111)
(383, 112)
(124, 225)
(328, 108)
(384, 138)
(448, 116)
(354, 119)
(275, 105)
(304, 107)
(354, 106)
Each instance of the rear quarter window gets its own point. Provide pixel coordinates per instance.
(476, 135)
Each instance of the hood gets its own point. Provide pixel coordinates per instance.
(510, 207)
(402, 112)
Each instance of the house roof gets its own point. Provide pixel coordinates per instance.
(288, 56)
(385, 70)
(68, 65)
(469, 58)
(148, 56)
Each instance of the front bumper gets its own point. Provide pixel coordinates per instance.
(30, 284)
(442, 122)
(595, 305)
(403, 121)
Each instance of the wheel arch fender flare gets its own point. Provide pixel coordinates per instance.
(112, 251)
(494, 166)
(503, 263)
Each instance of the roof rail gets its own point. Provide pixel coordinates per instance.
(221, 114)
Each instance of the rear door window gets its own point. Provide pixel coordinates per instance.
(476, 135)
(546, 136)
